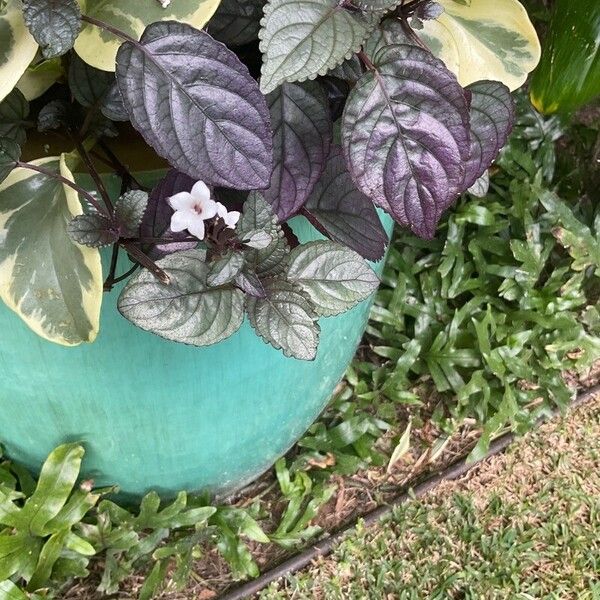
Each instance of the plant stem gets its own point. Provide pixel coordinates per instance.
(110, 280)
(366, 61)
(108, 27)
(67, 182)
(118, 165)
(146, 262)
(408, 30)
(95, 175)
(127, 274)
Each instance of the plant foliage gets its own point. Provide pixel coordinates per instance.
(354, 75)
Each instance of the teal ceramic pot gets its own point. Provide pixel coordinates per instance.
(154, 414)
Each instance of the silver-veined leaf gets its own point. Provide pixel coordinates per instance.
(93, 230)
(99, 47)
(197, 105)
(225, 269)
(301, 39)
(51, 282)
(484, 39)
(54, 24)
(17, 47)
(335, 277)
(187, 309)
(376, 5)
(343, 212)
(257, 215)
(405, 135)
(130, 209)
(286, 319)
(302, 134)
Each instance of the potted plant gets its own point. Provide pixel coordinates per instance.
(238, 258)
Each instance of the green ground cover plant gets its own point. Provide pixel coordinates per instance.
(479, 325)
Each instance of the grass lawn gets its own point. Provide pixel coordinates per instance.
(522, 525)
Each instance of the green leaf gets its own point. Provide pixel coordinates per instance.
(18, 554)
(225, 269)
(93, 230)
(52, 283)
(130, 209)
(14, 110)
(99, 47)
(49, 554)
(569, 73)
(335, 277)
(154, 581)
(487, 39)
(325, 34)
(55, 24)
(257, 215)
(286, 319)
(9, 591)
(186, 310)
(57, 478)
(78, 505)
(10, 153)
(17, 47)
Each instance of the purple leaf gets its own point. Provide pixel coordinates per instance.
(157, 218)
(302, 133)
(405, 134)
(344, 213)
(492, 119)
(196, 104)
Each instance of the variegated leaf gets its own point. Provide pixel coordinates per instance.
(17, 47)
(484, 39)
(52, 283)
(99, 48)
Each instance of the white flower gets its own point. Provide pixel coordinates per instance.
(231, 218)
(164, 3)
(192, 209)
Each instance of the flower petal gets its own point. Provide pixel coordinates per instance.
(209, 209)
(181, 201)
(232, 218)
(181, 220)
(196, 227)
(222, 210)
(200, 192)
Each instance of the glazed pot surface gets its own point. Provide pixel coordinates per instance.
(154, 414)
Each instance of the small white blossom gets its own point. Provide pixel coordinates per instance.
(164, 3)
(192, 209)
(231, 218)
